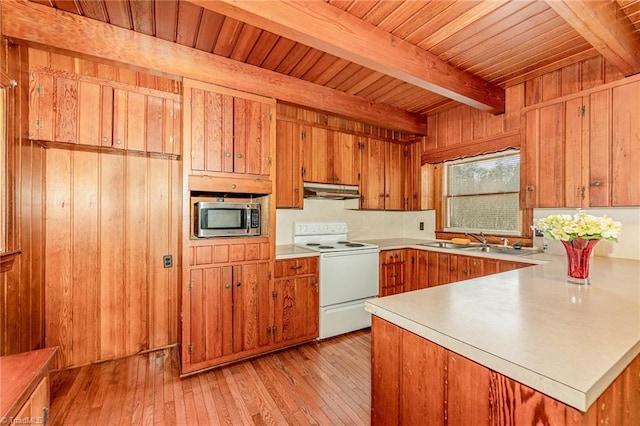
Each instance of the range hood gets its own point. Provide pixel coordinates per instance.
(330, 192)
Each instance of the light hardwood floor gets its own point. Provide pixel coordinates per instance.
(325, 383)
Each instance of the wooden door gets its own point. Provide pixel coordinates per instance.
(289, 192)
(393, 176)
(251, 306)
(372, 174)
(296, 308)
(598, 146)
(575, 154)
(412, 177)
(346, 159)
(251, 137)
(422, 269)
(317, 157)
(211, 309)
(625, 154)
(211, 131)
(410, 269)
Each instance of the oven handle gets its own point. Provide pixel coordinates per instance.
(350, 253)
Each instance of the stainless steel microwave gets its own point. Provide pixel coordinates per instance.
(219, 219)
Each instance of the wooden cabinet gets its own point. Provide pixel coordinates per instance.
(229, 313)
(412, 172)
(329, 156)
(393, 176)
(296, 300)
(425, 268)
(392, 269)
(81, 110)
(372, 188)
(289, 187)
(228, 131)
(578, 152)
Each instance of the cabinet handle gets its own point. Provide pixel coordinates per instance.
(394, 275)
(596, 183)
(238, 284)
(313, 283)
(268, 330)
(295, 267)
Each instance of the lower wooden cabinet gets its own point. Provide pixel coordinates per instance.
(296, 300)
(411, 269)
(236, 311)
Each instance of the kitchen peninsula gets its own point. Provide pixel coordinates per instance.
(521, 346)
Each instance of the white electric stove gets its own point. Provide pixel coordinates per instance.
(348, 275)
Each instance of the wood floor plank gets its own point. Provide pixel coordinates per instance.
(319, 383)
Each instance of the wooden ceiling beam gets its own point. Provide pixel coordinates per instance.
(44, 27)
(322, 26)
(606, 27)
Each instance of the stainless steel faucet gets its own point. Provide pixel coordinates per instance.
(482, 238)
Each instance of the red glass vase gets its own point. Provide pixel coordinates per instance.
(578, 255)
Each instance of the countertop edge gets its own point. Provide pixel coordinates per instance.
(563, 393)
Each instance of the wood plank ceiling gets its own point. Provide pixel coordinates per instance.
(496, 42)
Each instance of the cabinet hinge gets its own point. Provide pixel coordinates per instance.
(303, 171)
(45, 415)
(39, 123)
(303, 135)
(359, 176)
(582, 110)
(190, 103)
(172, 139)
(269, 275)
(181, 316)
(270, 117)
(270, 161)
(39, 91)
(191, 285)
(274, 295)
(190, 348)
(406, 153)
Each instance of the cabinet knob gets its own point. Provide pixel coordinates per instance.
(234, 186)
(238, 284)
(530, 188)
(119, 141)
(295, 267)
(239, 155)
(227, 154)
(105, 139)
(313, 283)
(394, 275)
(596, 183)
(227, 286)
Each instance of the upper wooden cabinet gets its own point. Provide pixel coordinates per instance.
(581, 152)
(289, 191)
(372, 186)
(227, 131)
(71, 108)
(329, 156)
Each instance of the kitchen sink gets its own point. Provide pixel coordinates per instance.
(505, 250)
(449, 245)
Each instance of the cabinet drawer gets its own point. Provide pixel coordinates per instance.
(391, 256)
(299, 266)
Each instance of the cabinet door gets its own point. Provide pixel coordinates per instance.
(211, 128)
(575, 154)
(251, 137)
(412, 177)
(95, 114)
(210, 308)
(393, 177)
(410, 269)
(317, 157)
(422, 269)
(289, 192)
(36, 406)
(41, 111)
(372, 174)
(625, 155)
(296, 308)
(251, 306)
(599, 148)
(346, 159)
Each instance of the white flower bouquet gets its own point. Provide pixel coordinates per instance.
(565, 227)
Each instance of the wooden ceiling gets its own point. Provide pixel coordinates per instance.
(411, 55)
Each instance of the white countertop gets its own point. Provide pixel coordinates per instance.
(290, 251)
(564, 340)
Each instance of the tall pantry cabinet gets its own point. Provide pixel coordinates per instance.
(581, 151)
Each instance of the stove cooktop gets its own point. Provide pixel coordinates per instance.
(326, 237)
(327, 246)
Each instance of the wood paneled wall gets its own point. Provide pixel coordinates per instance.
(22, 288)
(110, 219)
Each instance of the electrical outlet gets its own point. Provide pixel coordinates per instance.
(167, 261)
(422, 226)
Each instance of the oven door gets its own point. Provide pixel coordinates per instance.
(348, 275)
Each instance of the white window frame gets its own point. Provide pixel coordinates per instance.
(446, 198)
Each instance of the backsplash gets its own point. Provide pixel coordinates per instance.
(628, 245)
(362, 224)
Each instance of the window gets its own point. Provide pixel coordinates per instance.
(482, 193)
